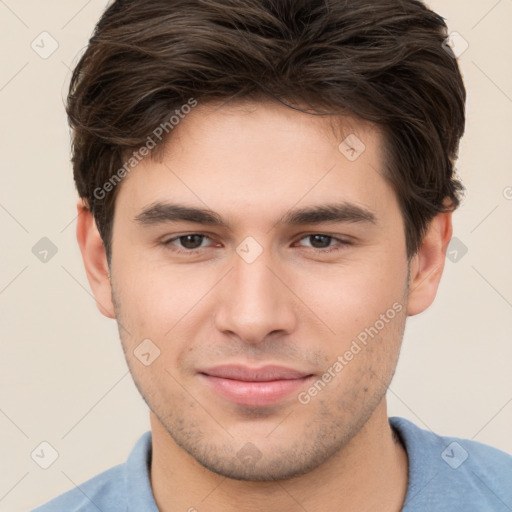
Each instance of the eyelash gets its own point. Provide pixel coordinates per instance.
(192, 252)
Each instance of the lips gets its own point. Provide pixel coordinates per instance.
(254, 387)
(265, 374)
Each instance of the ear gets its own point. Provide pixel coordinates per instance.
(426, 267)
(95, 260)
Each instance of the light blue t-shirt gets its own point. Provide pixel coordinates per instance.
(446, 474)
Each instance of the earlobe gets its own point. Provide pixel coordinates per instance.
(427, 265)
(95, 260)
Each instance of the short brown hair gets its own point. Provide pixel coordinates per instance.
(383, 61)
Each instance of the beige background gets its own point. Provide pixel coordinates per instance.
(63, 376)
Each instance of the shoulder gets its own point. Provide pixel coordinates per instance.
(119, 489)
(104, 492)
(450, 473)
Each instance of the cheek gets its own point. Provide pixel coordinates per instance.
(157, 296)
(361, 363)
(350, 297)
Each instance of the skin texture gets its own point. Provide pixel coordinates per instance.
(292, 306)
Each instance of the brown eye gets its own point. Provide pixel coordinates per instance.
(322, 243)
(191, 243)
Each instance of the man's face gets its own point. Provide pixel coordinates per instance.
(263, 289)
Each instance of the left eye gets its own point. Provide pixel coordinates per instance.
(320, 242)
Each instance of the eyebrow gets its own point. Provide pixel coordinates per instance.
(163, 212)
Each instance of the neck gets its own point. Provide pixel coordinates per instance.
(369, 473)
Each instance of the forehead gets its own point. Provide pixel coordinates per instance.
(259, 155)
(267, 118)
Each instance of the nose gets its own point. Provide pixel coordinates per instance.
(254, 302)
